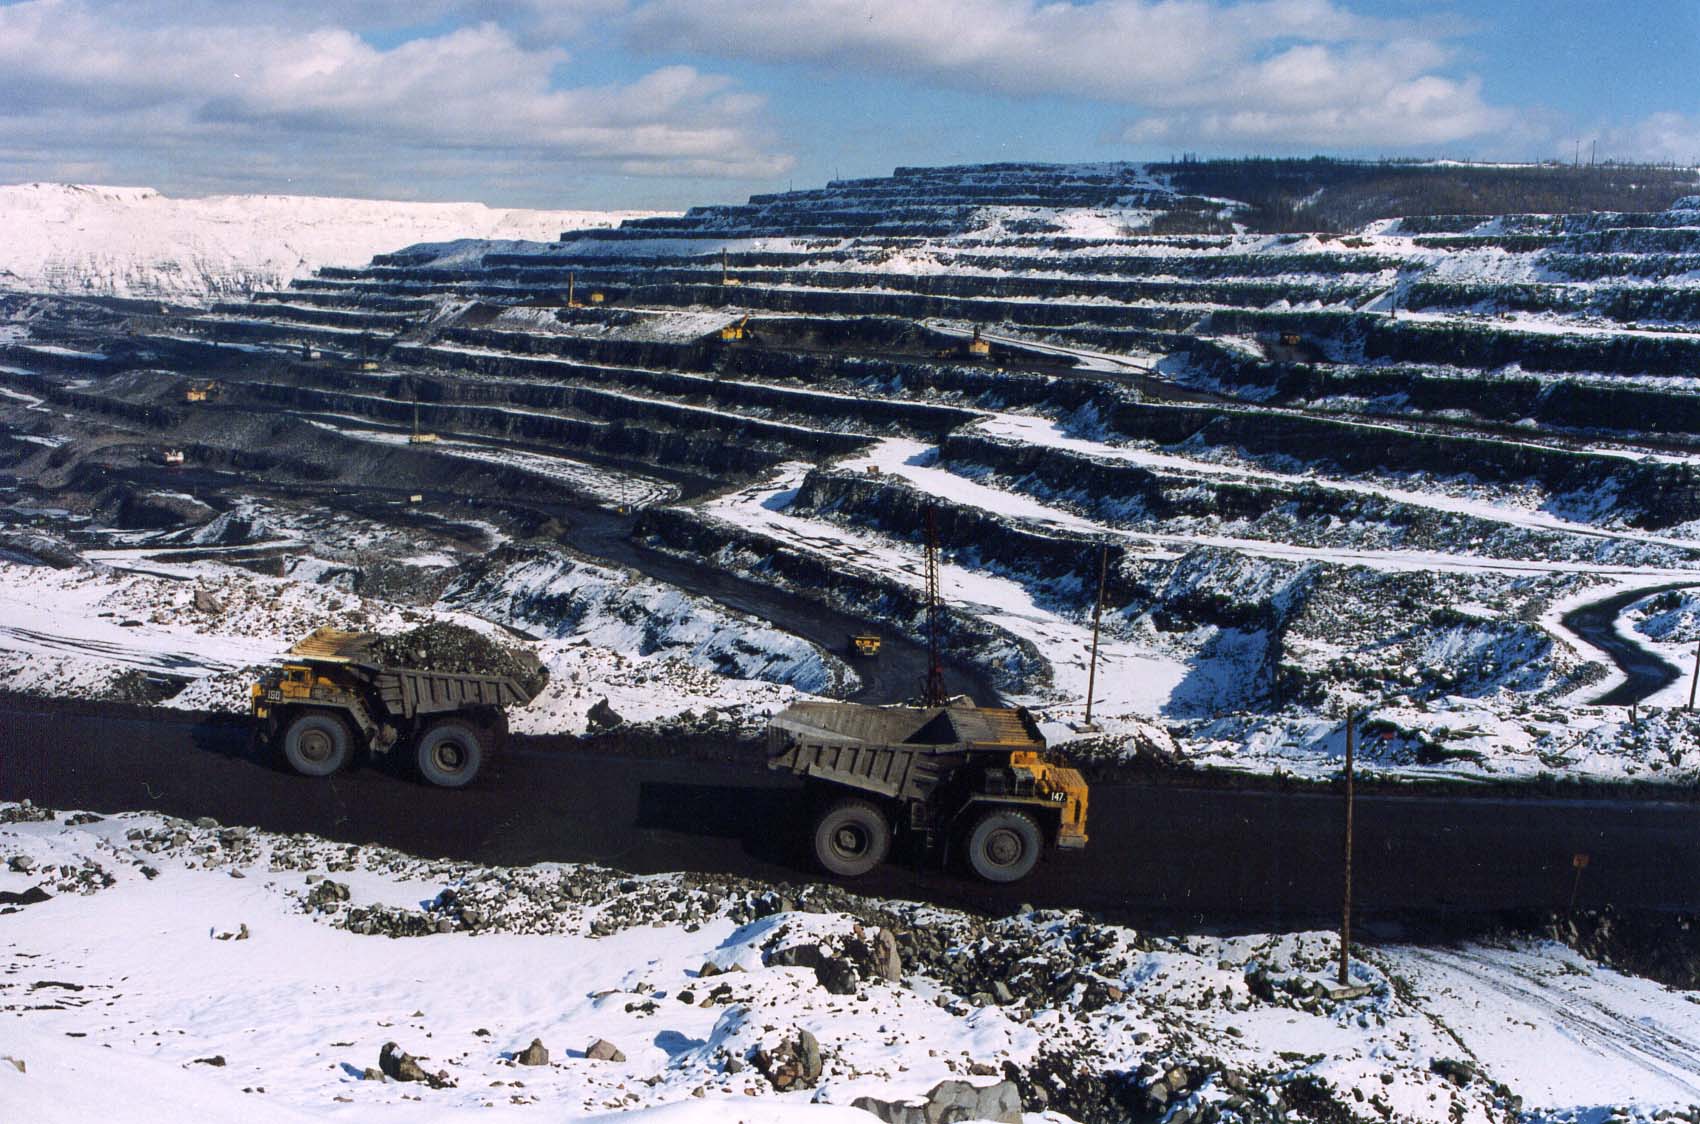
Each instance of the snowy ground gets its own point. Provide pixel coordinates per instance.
(87, 631)
(85, 240)
(179, 967)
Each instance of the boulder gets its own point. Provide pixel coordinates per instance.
(949, 1102)
(534, 1054)
(795, 1063)
(398, 1065)
(1455, 1071)
(603, 1050)
(887, 962)
(603, 717)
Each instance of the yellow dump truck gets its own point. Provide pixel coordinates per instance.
(974, 780)
(337, 693)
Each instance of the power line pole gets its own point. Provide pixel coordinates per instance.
(934, 693)
(1097, 615)
(1346, 904)
(1695, 683)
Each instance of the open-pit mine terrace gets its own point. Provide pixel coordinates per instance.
(1323, 469)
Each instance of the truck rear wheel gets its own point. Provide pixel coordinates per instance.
(1004, 845)
(451, 753)
(852, 837)
(317, 744)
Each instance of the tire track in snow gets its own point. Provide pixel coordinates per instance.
(1590, 1023)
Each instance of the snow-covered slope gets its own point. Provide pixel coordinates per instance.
(158, 969)
(135, 242)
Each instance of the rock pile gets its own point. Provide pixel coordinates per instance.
(1663, 947)
(793, 1064)
(443, 646)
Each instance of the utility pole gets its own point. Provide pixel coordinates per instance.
(1097, 615)
(1346, 905)
(933, 695)
(1695, 682)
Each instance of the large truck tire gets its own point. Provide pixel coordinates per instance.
(317, 744)
(852, 837)
(451, 753)
(1004, 845)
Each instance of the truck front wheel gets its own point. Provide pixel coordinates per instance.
(851, 838)
(317, 744)
(450, 754)
(1004, 845)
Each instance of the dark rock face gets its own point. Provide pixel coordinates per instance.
(1659, 946)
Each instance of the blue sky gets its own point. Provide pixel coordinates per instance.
(665, 103)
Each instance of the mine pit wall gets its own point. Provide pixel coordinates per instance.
(142, 413)
(1064, 565)
(979, 284)
(339, 298)
(803, 407)
(718, 452)
(1132, 495)
(1657, 303)
(372, 321)
(1585, 267)
(1031, 313)
(1377, 336)
(56, 362)
(1584, 407)
(1014, 665)
(1651, 496)
(1063, 568)
(976, 386)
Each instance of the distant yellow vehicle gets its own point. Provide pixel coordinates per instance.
(865, 644)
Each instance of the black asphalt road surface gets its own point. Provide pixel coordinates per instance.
(1159, 855)
(1644, 673)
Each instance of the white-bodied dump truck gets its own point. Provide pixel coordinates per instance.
(338, 693)
(973, 779)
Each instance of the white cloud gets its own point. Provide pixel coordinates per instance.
(1269, 71)
(1658, 137)
(85, 77)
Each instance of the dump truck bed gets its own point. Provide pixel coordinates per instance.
(893, 751)
(408, 691)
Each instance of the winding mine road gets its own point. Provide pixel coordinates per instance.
(1160, 855)
(1645, 674)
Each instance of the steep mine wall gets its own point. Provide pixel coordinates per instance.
(1012, 663)
(712, 452)
(1649, 495)
(800, 406)
(1124, 494)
